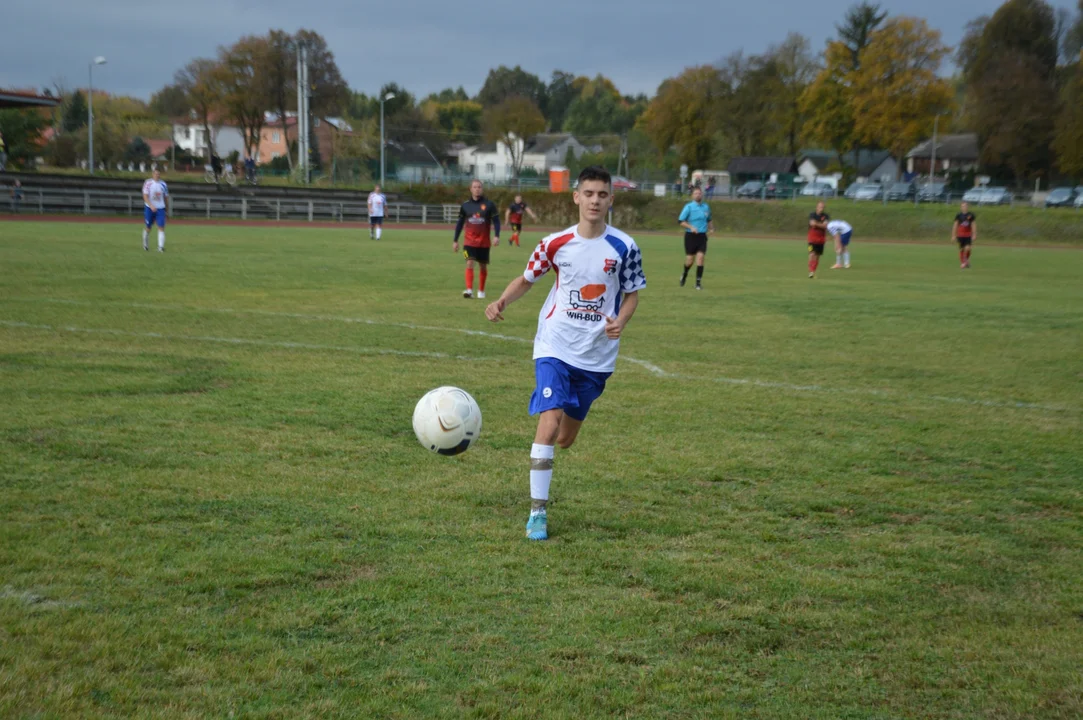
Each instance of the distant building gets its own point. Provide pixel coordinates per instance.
(744, 169)
(954, 153)
(189, 134)
(492, 162)
(874, 165)
(413, 162)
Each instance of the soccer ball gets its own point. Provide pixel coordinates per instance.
(447, 420)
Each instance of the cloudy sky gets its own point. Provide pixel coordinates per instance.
(424, 45)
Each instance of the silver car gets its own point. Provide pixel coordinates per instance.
(818, 189)
(869, 191)
(973, 195)
(996, 196)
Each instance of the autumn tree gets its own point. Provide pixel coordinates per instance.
(827, 103)
(751, 103)
(513, 122)
(329, 92)
(199, 80)
(563, 89)
(460, 119)
(1011, 80)
(245, 83)
(598, 109)
(794, 68)
(280, 67)
(857, 27)
(504, 82)
(1068, 140)
(684, 113)
(897, 90)
(169, 102)
(75, 114)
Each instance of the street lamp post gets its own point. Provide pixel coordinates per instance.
(90, 109)
(932, 160)
(388, 96)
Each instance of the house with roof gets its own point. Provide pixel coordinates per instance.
(492, 162)
(744, 169)
(874, 165)
(189, 134)
(413, 162)
(954, 153)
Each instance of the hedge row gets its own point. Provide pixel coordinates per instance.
(1019, 225)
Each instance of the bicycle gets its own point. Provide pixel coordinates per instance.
(227, 175)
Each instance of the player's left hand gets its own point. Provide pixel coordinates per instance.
(496, 241)
(495, 311)
(613, 328)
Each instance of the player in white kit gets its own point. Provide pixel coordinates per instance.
(599, 273)
(842, 232)
(155, 193)
(377, 208)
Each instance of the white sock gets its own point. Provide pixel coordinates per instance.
(838, 259)
(144, 237)
(540, 479)
(161, 238)
(379, 231)
(846, 258)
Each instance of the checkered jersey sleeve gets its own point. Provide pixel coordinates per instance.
(632, 278)
(539, 263)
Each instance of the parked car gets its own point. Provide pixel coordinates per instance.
(901, 191)
(869, 191)
(751, 189)
(622, 183)
(1060, 197)
(996, 196)
(818, 189)
(933, 192)
(973, 195)
(1079, 200)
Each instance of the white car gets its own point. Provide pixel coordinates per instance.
(818, 189)
(973, 195)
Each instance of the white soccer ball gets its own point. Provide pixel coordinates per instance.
(447, 420)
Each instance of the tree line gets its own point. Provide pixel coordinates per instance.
(878, 84)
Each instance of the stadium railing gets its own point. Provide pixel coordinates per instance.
(47, 201)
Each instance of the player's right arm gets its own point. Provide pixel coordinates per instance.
(146, 193)
(459, 229)
(517, 288)
(682, 219)
(955, 230)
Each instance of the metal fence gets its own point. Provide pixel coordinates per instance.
(106, 202)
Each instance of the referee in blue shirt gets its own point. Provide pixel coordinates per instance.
(695, 218)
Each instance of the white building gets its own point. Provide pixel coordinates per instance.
(492, 162)
(188, 133)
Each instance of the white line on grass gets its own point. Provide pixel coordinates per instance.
(649, 367)
(238, 341)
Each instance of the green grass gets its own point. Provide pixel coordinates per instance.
(854, 497)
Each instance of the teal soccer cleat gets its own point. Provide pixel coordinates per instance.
(536, 527)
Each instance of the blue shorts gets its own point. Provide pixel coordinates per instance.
(151, 216)
(561, 386)
(845, 238)
(376, 219)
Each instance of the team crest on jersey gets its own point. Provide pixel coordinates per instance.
(610, 266)
(483, 206)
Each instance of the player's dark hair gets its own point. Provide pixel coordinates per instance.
(595, 172)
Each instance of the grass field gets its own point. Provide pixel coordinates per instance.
(854, 497)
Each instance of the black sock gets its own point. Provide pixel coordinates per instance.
(699, 273)
(685, 275)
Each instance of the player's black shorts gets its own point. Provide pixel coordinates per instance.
(517, 227)
(376, 220)
(964, 241)
(695, 243)
(817, 248)
(481, 254)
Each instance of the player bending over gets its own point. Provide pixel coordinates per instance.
(599, 273)
(842, 232)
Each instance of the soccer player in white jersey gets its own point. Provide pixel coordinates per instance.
(377, 207)
(155, 193)
(599, 273)
(842, 232)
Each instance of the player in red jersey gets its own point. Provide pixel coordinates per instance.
(513, 217)
(817, 236)
(477, 215)
(964, 231)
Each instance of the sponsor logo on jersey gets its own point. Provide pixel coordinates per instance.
(586, 303)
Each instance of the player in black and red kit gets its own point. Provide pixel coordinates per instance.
(964, 231)
(513, 216)
(817, 236)
(478, 215)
